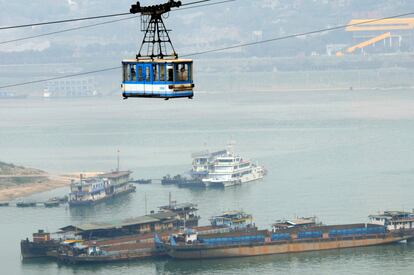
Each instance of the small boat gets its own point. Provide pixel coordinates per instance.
(142, 181)
(4, 204)
(191, 183)
(26, 204)
(51, 203)
(168, 180)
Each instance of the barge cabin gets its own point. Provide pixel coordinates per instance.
(394, 220)
(186, 212)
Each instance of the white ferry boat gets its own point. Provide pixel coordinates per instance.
(231, 169)
(203, 162)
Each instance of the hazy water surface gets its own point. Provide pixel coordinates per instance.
(340, 156)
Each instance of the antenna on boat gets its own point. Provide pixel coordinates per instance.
(230, 146)
(117, 159)
(146, 211)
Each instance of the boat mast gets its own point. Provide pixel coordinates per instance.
(117, 159)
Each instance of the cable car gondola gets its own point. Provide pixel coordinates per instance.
(158, 78)
(157, 72)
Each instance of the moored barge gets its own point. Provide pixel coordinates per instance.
(291, 240)
(93, 190)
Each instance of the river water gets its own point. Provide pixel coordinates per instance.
(337, 155)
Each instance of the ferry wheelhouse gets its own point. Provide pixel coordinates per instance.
(159, 78)
(203, 162)
(232, 170)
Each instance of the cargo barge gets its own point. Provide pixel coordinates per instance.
(131, 234)
(291, 240)
(145, 245)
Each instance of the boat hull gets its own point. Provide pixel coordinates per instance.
(31, 250)
(116, 257)
(107, 197)
(257, 249)
(247, 178)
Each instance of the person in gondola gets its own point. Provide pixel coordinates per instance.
(133, 74)
(183, 73)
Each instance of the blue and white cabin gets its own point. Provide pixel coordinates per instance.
(160, 78)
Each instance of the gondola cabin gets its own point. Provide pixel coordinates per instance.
(159, 78)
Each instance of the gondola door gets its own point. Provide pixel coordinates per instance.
(148, 79)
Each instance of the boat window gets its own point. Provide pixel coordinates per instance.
(133, 73)
(170, 73)
(162, 72)
(182, 72)
(140, 78)
(155, 71)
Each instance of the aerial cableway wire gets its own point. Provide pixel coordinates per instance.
(84, 18)
(65, 30)
(221, 49)
(105, 22)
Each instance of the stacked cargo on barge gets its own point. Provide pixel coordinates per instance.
(295, 239)
(92, 190)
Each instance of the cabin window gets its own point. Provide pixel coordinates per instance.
(162, 72)
(147, 74)
(170, 73)
(182, 72)
(140, 78)
(133, 73)
(126, 72)
(155, 72)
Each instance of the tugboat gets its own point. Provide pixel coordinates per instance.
(26, 204)
(41, 246)
(51, 203)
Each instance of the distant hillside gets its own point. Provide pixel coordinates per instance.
(11, 175)
(9, 169)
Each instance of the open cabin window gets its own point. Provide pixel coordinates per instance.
(170, 72)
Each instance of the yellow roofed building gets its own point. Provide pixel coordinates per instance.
(380, 36)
